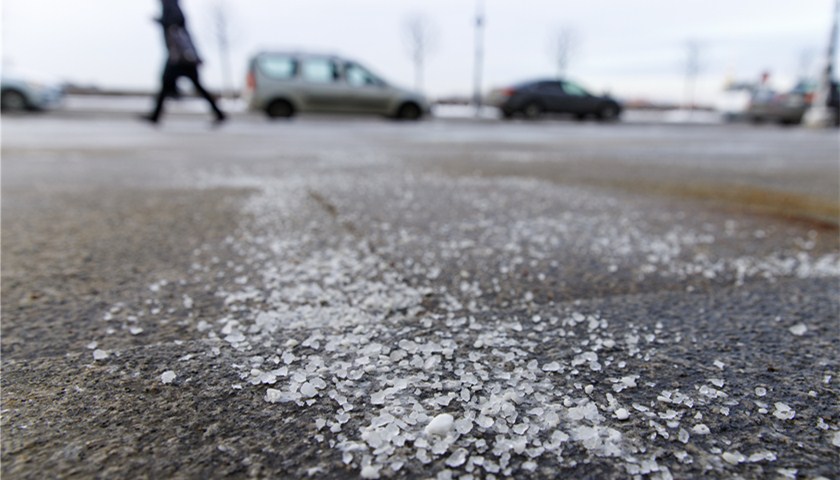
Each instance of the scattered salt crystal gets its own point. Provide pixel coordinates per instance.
(762, 457)
(799, 329)
(463, 425)
(370, 471)
(733, 458)
(701, 429)
(135, 330)
(787, 472)
(100, 354)
(484, 421)
(551, 367)
(273, 395)
(440, 425)
(622, 414)
(716, 382)
(760, 391)
(835, 439)
(783, 411)
(167, 376)
(719, 364)
(457, 458)
(92, 345)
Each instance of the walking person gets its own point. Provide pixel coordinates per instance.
(182, 61)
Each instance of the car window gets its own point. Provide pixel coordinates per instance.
(319, 70)
(359, 77)
(575, 90)
(550, 87)
(279, 67)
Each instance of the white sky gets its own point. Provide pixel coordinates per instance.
(631, 48)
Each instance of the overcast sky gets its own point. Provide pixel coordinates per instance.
(633, 48)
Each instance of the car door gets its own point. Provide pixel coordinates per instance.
(552, 97)
(578, 100)
(369, 94)
(321, 87)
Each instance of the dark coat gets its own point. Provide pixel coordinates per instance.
(171, 14)
(180, 46)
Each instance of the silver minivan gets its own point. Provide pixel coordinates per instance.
(282, 84)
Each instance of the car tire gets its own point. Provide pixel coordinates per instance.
(532, 111)
(409, 111)
(280, 109)
(13, 101)
(608, 113)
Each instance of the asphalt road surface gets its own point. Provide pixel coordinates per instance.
(328, 298)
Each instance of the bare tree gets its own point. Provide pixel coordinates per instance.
(221, 22)
(562, 48)
(420, 39)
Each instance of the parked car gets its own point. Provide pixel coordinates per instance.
(25, 91)
(534, 98)
(788, 108)
(282, 84)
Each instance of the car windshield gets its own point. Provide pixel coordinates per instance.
(358, 76)
(574, 89)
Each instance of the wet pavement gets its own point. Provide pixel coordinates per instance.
(451, 299)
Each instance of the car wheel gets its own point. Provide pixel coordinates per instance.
(409, 111)
(608, 113)
(532, 111)
(280, 109)
(12, 101)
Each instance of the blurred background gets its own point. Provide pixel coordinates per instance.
(647, 53)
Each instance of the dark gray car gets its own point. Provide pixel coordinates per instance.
(535, 98)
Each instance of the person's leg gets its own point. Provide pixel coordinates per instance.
(167, 87)
(193, 75)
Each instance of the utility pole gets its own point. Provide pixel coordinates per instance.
(479, 55)
(819, 114)
(691, 71)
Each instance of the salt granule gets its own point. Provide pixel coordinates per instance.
(457, 458)
(440, 425)
(100, 354)
(701, 429)
(799, 329)
(784, 412)
(168, 376)
(622, 414)
(273, 395)
(733, 458)
(370, 471)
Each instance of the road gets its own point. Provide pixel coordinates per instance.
(328, 298)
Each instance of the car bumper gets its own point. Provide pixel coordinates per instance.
(45, 98)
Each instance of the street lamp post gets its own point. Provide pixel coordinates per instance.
(819, 114)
